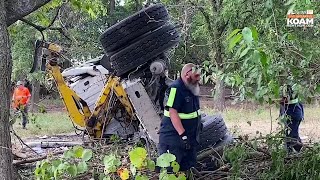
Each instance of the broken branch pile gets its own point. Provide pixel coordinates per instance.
(263, 158)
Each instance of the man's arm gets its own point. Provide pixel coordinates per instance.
(176, 121)
(173, 104)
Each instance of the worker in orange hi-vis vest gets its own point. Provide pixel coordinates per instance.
(21, 97)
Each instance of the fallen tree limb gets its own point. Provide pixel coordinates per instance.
(210, 152)
(54, 144)
(31, 160)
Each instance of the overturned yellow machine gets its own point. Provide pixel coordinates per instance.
(118, 92)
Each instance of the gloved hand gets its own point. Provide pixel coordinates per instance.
(185, 141)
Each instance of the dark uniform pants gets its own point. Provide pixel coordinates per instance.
(24, 111)
(295, 115)
(185, 158)
(292, 132)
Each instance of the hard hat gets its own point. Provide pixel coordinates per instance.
(19, 83)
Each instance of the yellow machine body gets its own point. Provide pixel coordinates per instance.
(77, 108)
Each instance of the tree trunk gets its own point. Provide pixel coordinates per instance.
(138, 5)
(17, 9)
(5, 82)
(111, 7)
(35, 94)
(219, 97)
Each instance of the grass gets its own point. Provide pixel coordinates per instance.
(45, 124)
(260, 114)
(238, 120)
(257, 120)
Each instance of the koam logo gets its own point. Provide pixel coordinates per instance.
(302, 19)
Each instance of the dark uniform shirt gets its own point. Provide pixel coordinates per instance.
(180, 98)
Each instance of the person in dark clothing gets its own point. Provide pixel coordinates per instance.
(161, 91)
(181, 124)
(293, 112)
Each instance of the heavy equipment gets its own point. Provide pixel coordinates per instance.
(115, 93)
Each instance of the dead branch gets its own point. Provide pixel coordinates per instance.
(31, 160)
(211, 152)
(22, 142)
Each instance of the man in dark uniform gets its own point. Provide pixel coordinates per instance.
(161, 91)
(181, 122)
(292, 110)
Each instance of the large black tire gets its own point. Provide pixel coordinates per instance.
(120, 34)
(214, 129)
(105, 62)
(140, 52)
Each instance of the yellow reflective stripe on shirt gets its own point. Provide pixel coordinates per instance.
(184, 115)
(172, 95)
(294, 101)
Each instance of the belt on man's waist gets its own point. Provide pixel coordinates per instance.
(192, 115)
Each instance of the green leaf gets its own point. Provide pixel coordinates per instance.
(151, 165)
(55, 173)
(82, 167)
(233, 33)
(263, 58)
(233, 42)
(111, 162)
(269, 4)
(68, 154)
(165, 159)
(254, 33)
(137, 156)
(175, 166)
(107, 178)
(171, 177)
(244, 52)
(72, 170)
(247, 35)
(133, 169)
(141, 177)
(56, 162)
(206, 63)
(78, 150)
(289, 2)
(61, 166)
(182, 177)
(256, 56)
(37, 171)
(87, 155)
(44, 165)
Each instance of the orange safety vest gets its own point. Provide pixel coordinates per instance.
(20, 96)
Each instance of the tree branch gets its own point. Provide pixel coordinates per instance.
(41, 28)
(31, 160)
(55, 17)
(17, 9)
(37, 27)
(206, 17)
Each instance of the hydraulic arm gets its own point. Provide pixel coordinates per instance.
(79, 112)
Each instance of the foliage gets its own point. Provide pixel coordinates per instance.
(76, 161)
(265, 158)
(259, 74)
(73, 163)
(141, 167)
